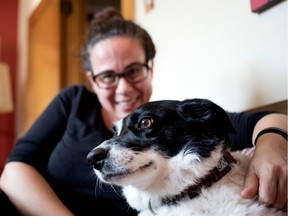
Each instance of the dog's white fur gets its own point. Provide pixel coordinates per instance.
(153, 177)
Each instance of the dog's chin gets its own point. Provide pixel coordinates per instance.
(124, 177)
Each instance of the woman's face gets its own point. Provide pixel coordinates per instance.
(116, 54)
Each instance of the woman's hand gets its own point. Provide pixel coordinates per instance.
(267, 173)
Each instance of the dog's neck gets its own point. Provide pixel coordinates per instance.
(222, 168)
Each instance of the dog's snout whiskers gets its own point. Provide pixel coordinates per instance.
(96, 157)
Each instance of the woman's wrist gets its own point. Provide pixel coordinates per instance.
(274, 130)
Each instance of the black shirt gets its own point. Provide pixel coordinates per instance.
(71, 126)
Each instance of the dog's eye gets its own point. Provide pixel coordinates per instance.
(145, 123)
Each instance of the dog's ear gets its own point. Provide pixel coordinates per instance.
(204, 112)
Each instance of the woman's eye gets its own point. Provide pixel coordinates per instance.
(134, 72)
(106, 77)
(146, 123)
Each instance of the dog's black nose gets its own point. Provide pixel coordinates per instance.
(96, 156)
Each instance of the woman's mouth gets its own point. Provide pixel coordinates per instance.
(127, 102)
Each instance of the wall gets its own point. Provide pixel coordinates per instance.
(25, 10)
(218, 50)
(8, 35)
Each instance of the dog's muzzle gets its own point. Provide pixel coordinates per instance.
(96, 157)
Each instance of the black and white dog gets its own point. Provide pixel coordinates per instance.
(172, 158)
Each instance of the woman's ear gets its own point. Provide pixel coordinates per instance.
(151, 66)
(89, 78)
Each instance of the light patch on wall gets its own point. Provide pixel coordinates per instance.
(149, 5)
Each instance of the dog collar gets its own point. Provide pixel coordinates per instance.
(222, 168)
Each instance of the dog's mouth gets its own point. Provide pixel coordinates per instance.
(116, 176)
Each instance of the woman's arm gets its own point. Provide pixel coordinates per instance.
(267, 174)
(29, 192)
(23, 176)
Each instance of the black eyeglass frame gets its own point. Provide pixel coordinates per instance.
(124, 74)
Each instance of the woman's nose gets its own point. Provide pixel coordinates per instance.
(123, 85)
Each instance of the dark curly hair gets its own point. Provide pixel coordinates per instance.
(108, 23)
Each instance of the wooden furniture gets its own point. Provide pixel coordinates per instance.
(280, 106)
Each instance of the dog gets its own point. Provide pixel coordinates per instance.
(173, 158)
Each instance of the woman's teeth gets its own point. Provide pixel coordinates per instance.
(127, 102)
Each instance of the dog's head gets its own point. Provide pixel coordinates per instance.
(154, 135)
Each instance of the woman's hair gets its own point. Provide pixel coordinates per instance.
(108, 23)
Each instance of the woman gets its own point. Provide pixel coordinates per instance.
(47, 172)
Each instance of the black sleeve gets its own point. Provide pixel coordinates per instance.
(244, 123)
(36, 145)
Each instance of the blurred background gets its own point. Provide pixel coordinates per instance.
(220, 50)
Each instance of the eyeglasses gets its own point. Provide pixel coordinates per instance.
(133, 74)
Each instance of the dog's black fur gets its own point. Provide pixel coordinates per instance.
(204, 121)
